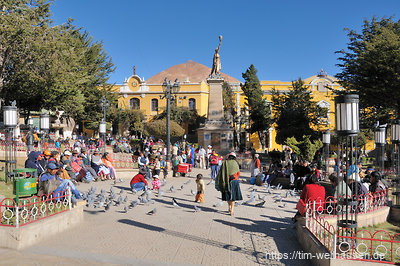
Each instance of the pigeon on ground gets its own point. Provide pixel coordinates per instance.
(126, 199)
(172, 189)
(287, 194)
(134, 203)
(197, 209)
(282, 205)
(164, 183)
(260, 204)
(152, 212)
(252, 187)
(111, 190)
(107, 207)
(115, 182)
(193, 192)
(121, 180)
(262, 197)
(182, 187)
(119, 201)
(90, 204)
(218, 204)
(126, 209)
(121, 191)
(187, 182)
(175, 203)
(278, 200)
(251, 200)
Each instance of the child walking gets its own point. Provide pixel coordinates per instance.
(200, 189)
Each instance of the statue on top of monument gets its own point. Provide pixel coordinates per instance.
(216, 67)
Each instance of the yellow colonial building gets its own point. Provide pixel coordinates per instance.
(147, 95)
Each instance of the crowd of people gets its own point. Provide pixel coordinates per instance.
(84, 163)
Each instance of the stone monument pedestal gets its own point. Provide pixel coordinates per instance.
(216, 131)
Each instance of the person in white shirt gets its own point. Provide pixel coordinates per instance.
(202, 157)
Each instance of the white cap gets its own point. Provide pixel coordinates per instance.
(68, 153)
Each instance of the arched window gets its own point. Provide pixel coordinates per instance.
(134, 103)
(192, 104)
(154, 105)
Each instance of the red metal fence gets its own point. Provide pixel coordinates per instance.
(33, 209)
(362, 245)
(366, 203)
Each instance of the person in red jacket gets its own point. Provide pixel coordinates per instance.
(138, 182)
(310, 193)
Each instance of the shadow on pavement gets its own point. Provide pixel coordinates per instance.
(184, 205)
(198, 239)
(286, 242)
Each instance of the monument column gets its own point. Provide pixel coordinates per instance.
(216, 131)
(215, 101)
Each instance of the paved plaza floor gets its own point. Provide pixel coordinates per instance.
(173, 236)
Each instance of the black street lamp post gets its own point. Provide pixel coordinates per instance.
(45, 127)
(326, 140)
(104, 103)
(380, 141)
(347, 128)
(395, 137)
(169, 90)
(10, 116)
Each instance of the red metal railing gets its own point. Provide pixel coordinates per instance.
(362, 245)
(366, 203)
(33, 209)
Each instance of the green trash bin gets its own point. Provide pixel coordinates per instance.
(25, 182)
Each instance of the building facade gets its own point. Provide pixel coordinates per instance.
(147, 96)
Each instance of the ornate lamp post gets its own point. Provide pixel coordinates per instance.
(30, 122)
(347, 128)
(326, 140)
(102, 131)
(395, 137)
(380, 141)
(10, 115)
(104, 103)
(169, 90)
(44, 126)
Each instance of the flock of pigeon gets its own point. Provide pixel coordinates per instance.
(106, 199)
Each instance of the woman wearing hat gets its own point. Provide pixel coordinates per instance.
(227, 181)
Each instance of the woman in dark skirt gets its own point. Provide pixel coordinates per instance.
(227, 181)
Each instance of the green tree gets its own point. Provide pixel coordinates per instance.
(305, 148)
(296, 114)
(259, 111)
(45, 66)
(130, 120)
(186, 118)
(229, 102)
(370, 67)
(158, 128)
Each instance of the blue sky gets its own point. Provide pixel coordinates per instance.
(284, 40)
